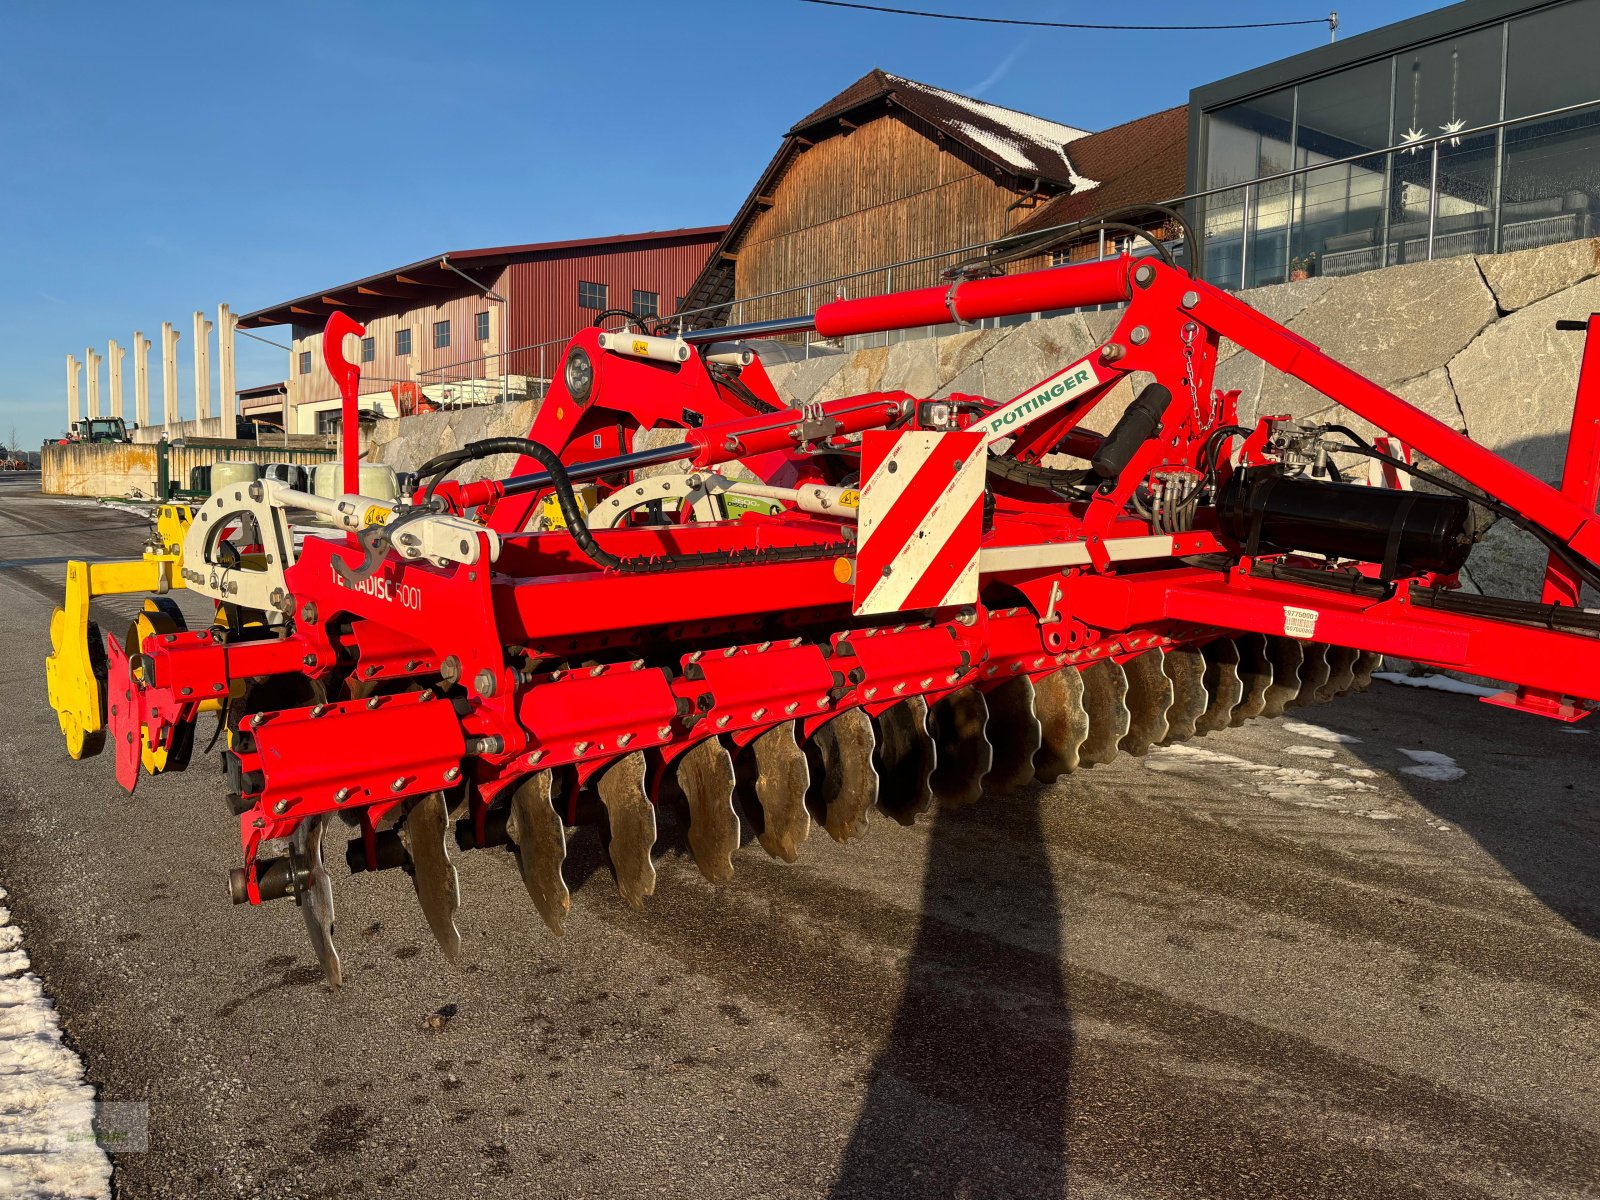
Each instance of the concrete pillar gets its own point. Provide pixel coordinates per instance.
(228, 397)
(91, 367)
(169, 373)
(114, 356)
(74, 400)
(202, 367)
(141, 378)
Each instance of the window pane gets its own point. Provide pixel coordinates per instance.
(1339, 224)
(402, 341)
(1448, 85)
(591, 295)
(1339, 210)
(646, 304)
(1343, 114)
(441, 335)
(1222, 229)
(1464, 207)
(482, 326)
(1246, 141)
(1551, 181)
(1249, 139)
(368, 349)
(1550, 58)
(305, 362)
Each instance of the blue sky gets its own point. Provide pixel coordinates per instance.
(160, 159)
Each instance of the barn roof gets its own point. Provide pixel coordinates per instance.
(427, 276)
(1139, 162)
(1023, 145)
(1028, 153)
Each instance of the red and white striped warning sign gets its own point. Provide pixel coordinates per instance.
(1382, 474)
(921, 519)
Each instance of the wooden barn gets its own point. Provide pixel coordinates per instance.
(891, 169)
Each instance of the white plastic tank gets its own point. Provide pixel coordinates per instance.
(232, 474)
(377, 481)
(292, 474)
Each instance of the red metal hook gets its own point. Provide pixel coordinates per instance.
(348, 376)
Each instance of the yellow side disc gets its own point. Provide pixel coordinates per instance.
(159, 616)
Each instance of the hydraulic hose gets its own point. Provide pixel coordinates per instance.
(578, 525)
(1555, 545)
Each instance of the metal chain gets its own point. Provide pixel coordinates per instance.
(1209, 419)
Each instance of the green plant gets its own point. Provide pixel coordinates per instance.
(1306, 263)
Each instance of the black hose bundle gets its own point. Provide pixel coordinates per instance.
(1555, 545)
(572, 512)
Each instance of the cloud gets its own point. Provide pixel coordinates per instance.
(1000, 72)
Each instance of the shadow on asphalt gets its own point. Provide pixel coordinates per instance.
(1533, 811)
(969, 1094)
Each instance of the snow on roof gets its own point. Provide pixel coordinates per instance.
(1013, 137)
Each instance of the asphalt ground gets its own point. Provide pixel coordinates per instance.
(1347, 953)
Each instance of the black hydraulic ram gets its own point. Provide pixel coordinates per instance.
(1406, 532)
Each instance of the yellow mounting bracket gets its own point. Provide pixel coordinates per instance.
(75, 671)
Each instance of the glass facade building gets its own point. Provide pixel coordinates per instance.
(1468, 130)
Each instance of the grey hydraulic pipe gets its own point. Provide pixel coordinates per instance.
(755, 329)
(599, 467)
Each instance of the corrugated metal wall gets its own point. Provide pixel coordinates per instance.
(544, 294)
(542, 297)
(388, 368)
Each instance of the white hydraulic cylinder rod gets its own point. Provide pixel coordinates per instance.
(347, 512)
(643, 345)
(812, 498)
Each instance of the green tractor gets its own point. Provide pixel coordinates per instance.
(100, 429)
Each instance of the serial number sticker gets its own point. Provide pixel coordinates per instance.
(1300, 622)
(376, 516)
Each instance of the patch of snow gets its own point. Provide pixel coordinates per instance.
(1575, 729)
(1299, 786)
(1010, 152)
(1437, 683)
(1440, 768)
(1025, 125)
(1320, 733)
(1312, 751)
(49, 1150)
(1024, 128)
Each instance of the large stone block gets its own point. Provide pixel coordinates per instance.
(1389, 325)
(912, 366)
(1280, 301)
(799, 382)
(1506, 562)
(1432, 393)
(512, 420)
(1525, 277)
(1517, 380)
(863, 372)
(958, 351)
(1028, 353)
(1245, 373)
